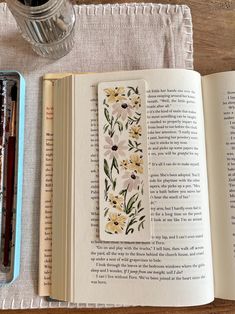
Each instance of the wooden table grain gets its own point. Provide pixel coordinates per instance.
(214, 51)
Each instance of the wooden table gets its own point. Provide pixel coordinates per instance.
(214, 51)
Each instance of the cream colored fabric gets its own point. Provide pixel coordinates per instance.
(108, 38)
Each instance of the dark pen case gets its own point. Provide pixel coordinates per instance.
(12, 98)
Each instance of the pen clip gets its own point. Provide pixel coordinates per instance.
(13, 110)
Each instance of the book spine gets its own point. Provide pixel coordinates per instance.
(45, 239)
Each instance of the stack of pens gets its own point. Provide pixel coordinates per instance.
(8, 107)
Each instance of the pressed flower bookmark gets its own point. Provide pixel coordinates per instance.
(123, 162)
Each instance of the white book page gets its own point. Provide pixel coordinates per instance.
(46, 204)
(219, 103)
(175, 268)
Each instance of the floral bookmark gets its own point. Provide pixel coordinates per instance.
(123, 162)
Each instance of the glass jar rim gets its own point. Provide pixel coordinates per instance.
(44, 10)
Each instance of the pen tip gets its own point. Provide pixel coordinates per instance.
(14, 92)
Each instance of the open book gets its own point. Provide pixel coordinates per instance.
(191, 145)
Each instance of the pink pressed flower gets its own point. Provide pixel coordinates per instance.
(114, 147)
(132, 181)
(122, 109)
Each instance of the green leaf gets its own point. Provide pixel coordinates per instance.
(130, 223)
(106, 126)
(128, 93)
(106, 113)
(122, 192)
(140, 209)
(108, 232)
(131, 230)
(114, 184)
(130, 120)
(106, 211)
(139, 204)
(106, 183)
(107, 186)
(105, 104)
(141, 225)
(106, 168)
(130, 144)
(133, 89)
(131, 203)
(110, 133)
(142, 190)
(141, 218)
(115, 164)
(120, 126)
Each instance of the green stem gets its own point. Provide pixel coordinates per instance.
(113, 125)
(124, 194)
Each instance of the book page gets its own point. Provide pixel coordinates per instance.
(45, 251)
(175, 268)
(219, 103)
(45, 239)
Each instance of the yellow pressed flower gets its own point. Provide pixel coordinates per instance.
(135, 131)
(135, 101)
(115, 94)
(124, 164)
(116, 201)
(136, 163)
(116, 223)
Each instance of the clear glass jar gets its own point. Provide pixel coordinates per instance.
(49, 27)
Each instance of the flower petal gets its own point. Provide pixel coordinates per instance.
(115, 139)
(109, 140)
